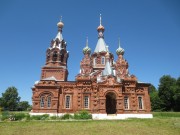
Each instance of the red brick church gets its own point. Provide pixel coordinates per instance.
(103, 87)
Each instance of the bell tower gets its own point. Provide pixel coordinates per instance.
(56, 58)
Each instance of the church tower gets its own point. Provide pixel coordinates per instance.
(121, 66)
(56, 58)
(101, 49)
(86, 63)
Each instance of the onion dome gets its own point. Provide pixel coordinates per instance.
(59, 35)
(86, 50)
(60, 24)
(100, 27)
(119, 51)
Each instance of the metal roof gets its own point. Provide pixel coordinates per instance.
(101, 46)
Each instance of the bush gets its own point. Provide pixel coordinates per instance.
(40, 117)
(19, 116)
(14, 116)
(53, 117)
(1, 109)
(66, 116)
(82, 115)
(5, 116)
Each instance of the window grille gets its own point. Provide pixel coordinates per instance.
(42, 102)
(67, 101)
(49, 101)
(86, 102)
(126, 103)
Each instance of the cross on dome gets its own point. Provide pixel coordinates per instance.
(87, 42)
(60, 24)
(119, 51)
(100, 27)
(86, 50)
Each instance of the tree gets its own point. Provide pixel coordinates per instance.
(1, 105)
(166, 92)
(23, 106)
(176, 96)
(152, 89)
(155, 100)
(0, 102)
(10, 99)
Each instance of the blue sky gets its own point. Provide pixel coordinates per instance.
(149, 31)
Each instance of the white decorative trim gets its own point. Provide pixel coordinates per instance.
(120, 116)
(50, 114)
(104, 116)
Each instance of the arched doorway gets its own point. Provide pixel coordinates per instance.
(110, 103)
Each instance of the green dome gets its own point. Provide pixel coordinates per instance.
(87, 50)
(120, 51)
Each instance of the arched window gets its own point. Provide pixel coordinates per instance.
(126, 103)
(62, 57)
(42, 102)
(68, 101)
(49, 101)
(140, 102)
(86, 102)
(103, 60)
(55, 56)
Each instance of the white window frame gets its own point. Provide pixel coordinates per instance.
(68, 102)
(86, 102)
(42, 102)
(126, 103)
(140, 103)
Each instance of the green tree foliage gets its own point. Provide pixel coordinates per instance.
(155, 100)
(10, 99)
(166, 92)
(176, 96)
(0, 102)
(23, 106)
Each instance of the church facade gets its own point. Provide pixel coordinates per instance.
(103, 87)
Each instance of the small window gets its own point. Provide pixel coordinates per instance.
(126, 103)
(86, 101)
(103, 60)
(94, 61)
(49, 102)
(42, 102)
(140, 102)
(47, 56)
(67, 102)
(55, 56)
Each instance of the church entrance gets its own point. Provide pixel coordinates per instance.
(110, 103)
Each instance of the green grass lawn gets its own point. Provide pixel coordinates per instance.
(161, 124)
